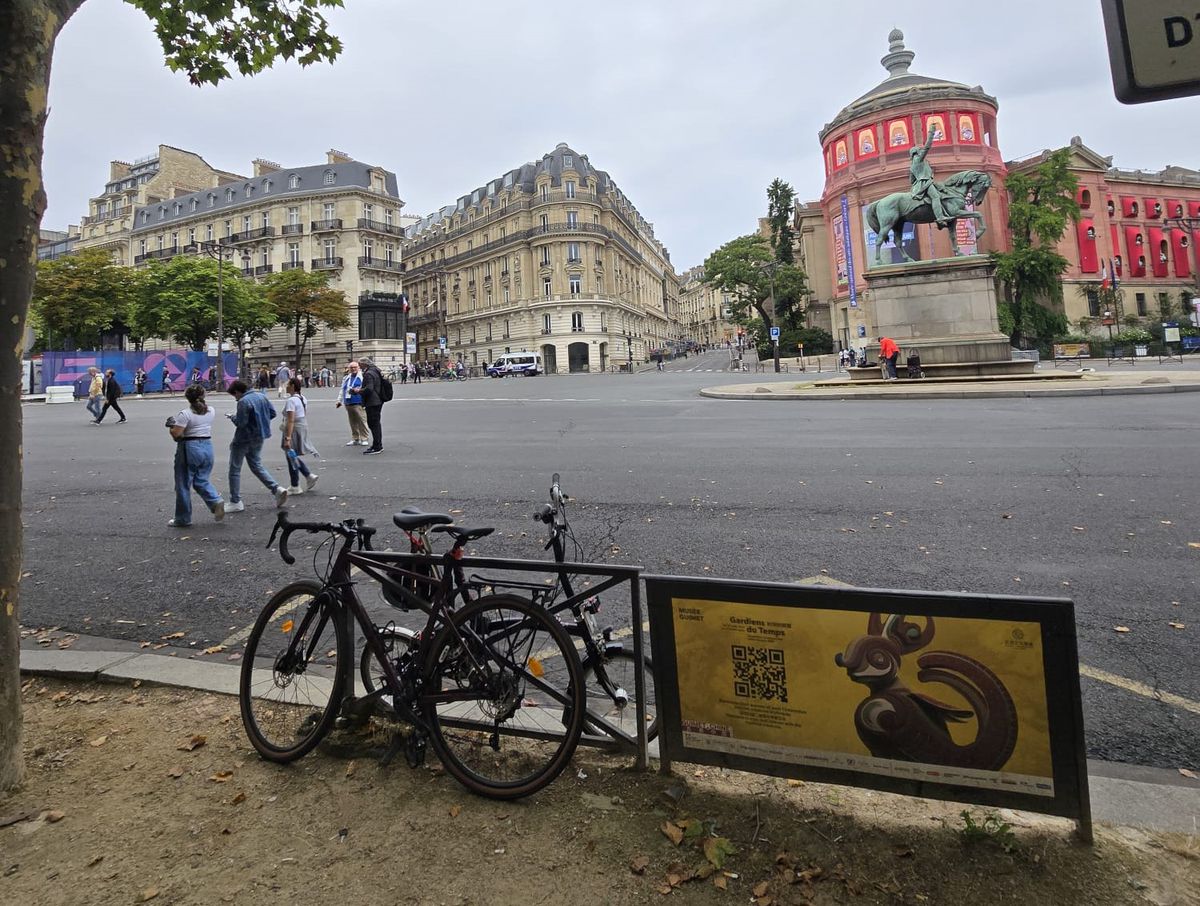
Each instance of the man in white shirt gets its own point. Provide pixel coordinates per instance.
(283, 374)
(351, 397)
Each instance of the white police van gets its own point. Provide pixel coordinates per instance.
(526, 363)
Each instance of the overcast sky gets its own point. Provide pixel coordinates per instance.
(692, 107)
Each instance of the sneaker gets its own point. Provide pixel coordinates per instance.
(218, 510)
(122, 421)
(372, 452)
(363, 443)
(351, 443)
(311, 481)
(281, 496)
(174, 524)
(294, 490)
(235, 507)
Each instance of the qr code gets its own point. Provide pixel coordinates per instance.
(759, 673)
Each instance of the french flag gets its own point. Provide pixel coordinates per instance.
(1116, 283)
(404, 301)
(1103, 275)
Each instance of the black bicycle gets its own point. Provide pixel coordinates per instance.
(495, 685)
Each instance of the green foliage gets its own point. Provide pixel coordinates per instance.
(80, 296)
(1006, 317)
(1042, 203)
(204, 38)
(990, 828)
(1133, 335)
(746, 269)
(178, 298)
(302, 301)
(781, 199)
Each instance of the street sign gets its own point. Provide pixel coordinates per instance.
(774, 334)
(442, 343)
(1153, 48)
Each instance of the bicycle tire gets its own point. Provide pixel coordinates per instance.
(600, 701)
(283, 730)
(508, 727)
(369, 671)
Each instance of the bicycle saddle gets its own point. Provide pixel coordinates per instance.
(411, 518)
(463, 534)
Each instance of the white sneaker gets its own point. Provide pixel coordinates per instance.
(281, 496)
(312, 481)
(294, 490)
(351, 443)
(364, 443)
(238, 507)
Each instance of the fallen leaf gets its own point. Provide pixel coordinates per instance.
(692, 828)
(221, 777)
(214, 649)
(1194, 544)
(639, 864)
(720, 882)
(238, 799)
(760, 889)
(350, 769)
(54, 816)
(1121, 629)
(98, 742)
(455, 810)
(175, 772)
(192, 744)
(1176, 625)
(717, 849)
(672, 833)
(60, 696)
(149, 894)
(1188, 773)
(95, 861)
(173, 635)
(664, 889)
(795, 783)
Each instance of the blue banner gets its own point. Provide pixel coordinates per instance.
(181, 367)
(849, 251)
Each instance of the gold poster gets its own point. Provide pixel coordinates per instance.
(950, 700)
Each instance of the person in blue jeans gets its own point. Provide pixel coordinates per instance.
(191, 430)
(252, 423)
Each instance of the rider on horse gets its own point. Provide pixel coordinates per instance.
(924, 189)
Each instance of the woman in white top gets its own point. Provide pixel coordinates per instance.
(192, 431)
(295, 439)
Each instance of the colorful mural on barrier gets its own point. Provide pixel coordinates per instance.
(65, 369)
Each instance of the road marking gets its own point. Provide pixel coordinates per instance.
(1121, 682)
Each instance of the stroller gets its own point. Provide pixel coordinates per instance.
(914, 366)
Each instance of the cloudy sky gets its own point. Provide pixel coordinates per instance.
(692, 107)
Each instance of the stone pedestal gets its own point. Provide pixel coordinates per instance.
(944, 311)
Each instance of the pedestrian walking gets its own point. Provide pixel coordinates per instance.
(112, 393)
(166, 381)
(263, 380)
(295, 440)
(139, 382)
(95, 394)
(351, 397)
(372, 398)
(326, 376)
(403, 374)
(283, 374)
(252, 422)
(195, 375)
(191, 430)
(416, 373)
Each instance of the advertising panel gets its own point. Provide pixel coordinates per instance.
(865, 143)
(839, 249)
(935, 123)
(898, 135)
(849, 252)
(971, 698)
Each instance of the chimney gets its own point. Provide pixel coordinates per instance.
(337, 157)
(262, 166)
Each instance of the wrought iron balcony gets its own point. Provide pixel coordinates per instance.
(292, 229)
(381, 264)
(324, 226)
(378, 226)
(251, 235)
(263, 269)
(325, 264)
(292, 266)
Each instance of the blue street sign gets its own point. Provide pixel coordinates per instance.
(774, 333)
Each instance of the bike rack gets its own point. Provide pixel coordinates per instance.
(614, 738)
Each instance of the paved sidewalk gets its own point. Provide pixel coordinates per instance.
(1122, 795)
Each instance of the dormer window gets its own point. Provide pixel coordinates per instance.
(568, 161)
(229, 194)
(195, 203)
(293, 181)
(178, 209)
(330, 178)
(266, 186)
(212, 199)
(162, 212)
(248, 190)
(145, 216)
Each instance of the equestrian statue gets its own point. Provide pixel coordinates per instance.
(928, 201)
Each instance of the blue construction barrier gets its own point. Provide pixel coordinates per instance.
(69, 369)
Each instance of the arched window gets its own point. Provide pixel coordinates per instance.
(1085, 198)
(229, 194)
(330, 177)
(293, 181)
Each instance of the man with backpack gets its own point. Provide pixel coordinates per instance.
(376, 390)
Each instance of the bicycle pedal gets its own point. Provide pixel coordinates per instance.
(414, 750)
(398, 742)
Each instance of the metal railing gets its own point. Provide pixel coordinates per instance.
(379, 226)
(318, 226)
(251, 235)
(263, 269)
(292, 266)
(381, 264)
(291, 229)
(323, 264)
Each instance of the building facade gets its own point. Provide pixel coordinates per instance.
(705, 315)
(549, 257)
(341, 217)
(148, 180)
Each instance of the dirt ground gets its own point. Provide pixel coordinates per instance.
(124, 803)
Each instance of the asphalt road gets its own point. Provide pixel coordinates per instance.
(1089, 498)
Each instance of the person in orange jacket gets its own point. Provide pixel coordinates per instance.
(889, 352)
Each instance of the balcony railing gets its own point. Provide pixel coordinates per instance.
(381, 264)
(324, 226)
(378, 226)
(292, 266)
(292, 229)
(324, 264)
(263, 269)
(247, 272)
(251, 235)
(428, 318)
(155, 254)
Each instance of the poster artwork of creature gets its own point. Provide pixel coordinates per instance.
(900, 723)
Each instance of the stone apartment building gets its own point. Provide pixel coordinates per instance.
(549, 257)
(148, 180)
(704, 312)
(342, 217)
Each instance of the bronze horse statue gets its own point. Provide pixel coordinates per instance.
(890, 213)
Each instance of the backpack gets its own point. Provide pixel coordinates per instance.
(385, 389)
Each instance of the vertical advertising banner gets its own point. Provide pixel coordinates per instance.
(889, 254)
(410, 343)
(959, 697)
(849, 246)
(839, 249)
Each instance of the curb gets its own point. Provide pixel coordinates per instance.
(817, 395)
(1124, 795)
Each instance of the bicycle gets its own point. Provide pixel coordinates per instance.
(483, 684)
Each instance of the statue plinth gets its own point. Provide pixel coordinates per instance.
(943, 310)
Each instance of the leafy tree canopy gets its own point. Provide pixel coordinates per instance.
(81, 296)
(746, 269)
(178, 298)
(781, 200)
(303, 301)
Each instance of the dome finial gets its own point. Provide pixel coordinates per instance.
(897, 60)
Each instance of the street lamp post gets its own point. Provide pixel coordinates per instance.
(769, 268)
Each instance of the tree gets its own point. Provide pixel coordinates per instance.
(302, 302)
(203, 39)
(249, 318)
(1041, 203)
(781, 202)
(178, 298)
(79, 297)
(746, 269)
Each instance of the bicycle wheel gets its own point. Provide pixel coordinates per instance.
(369, 670)
(504, 705)
(291, 683)
(611, 692)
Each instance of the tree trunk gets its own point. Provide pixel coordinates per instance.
(26, 43)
